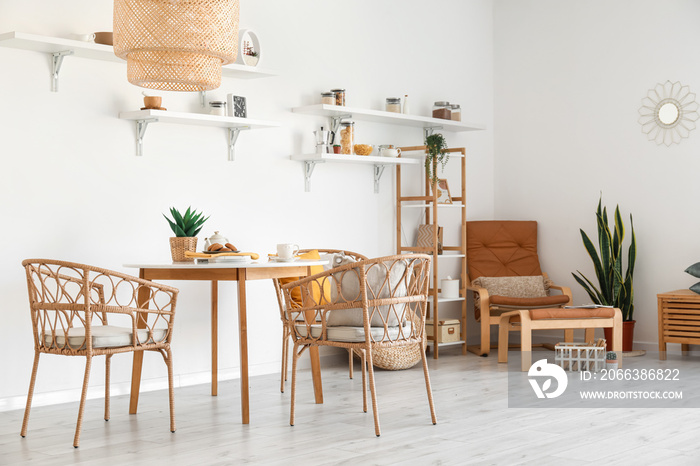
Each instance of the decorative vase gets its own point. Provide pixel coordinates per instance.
(178, 246)
(627, 336)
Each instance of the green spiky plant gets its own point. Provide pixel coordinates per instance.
(436, 153)
(187, 225)
(614, 288)
(611, 356)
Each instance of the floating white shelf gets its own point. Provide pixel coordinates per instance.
(310, 161)
(59, 47)
(233, 124)
(455, 256)
(337, 112)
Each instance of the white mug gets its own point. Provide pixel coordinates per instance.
(85, 37)
(287, 250)
(389, 152)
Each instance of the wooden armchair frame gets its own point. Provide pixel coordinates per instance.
(392, 313)
(70, 304)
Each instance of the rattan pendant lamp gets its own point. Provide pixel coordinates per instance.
(176, 45)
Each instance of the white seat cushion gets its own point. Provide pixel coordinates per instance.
(103, 336)
(355, 334)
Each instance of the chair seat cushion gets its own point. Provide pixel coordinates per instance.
(350, 334)
(103, 336)
(524, 303)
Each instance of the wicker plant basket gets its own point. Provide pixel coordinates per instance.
(178, 246)
(397, 359)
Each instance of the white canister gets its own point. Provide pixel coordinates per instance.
(450, 287)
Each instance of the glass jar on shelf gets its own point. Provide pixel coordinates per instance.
(456, 112)
(347, 137)
(328, 98)
(393, 104)
(442, 110)
(339, 96)
(217, 108)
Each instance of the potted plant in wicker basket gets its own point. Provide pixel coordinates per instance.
(185, 228)
(436, 152)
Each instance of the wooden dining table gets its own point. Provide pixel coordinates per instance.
(214, 272)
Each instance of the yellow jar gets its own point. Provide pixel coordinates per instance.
(347, 137)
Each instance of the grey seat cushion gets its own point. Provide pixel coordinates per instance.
(351, 334)
(350, 291)
(103, 336)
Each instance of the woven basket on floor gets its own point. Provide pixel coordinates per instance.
(396, 359)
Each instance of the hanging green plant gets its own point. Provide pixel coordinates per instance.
(436, 148)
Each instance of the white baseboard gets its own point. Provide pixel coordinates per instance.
(147, 385)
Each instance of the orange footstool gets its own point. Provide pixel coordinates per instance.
(568, 319)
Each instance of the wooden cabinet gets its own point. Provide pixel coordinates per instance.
(442, 253)
(679, 319)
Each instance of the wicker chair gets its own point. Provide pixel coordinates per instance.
(69, 306)
(372, 304)
(286, 337)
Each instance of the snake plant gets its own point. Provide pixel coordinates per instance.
(186, 225)
(614, 288)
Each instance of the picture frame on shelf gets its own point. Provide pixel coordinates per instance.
(443, 192)
(424, 238)
(248, 48)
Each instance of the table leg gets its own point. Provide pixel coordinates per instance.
(214, 337)
(243, 342)
(316, 373)
(144, 295)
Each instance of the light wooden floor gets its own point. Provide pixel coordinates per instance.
(475, 426)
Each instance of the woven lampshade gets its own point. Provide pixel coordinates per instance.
(176, 45)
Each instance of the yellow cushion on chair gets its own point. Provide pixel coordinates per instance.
(319, 297)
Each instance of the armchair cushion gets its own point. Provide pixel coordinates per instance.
(319, 295)
(377, 287)
(513, 287)
(103, 336)
(524, 303)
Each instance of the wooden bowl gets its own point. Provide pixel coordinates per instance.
(152, 101)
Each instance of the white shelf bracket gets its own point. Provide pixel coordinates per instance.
(428, 130)
(309, 166)
(378, 172)
(335, 123)
(56, 62)
(232, 138)
(203, 98)
(141, 126)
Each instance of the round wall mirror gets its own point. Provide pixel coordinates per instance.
(668, 113)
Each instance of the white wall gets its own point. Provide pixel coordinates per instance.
(569, 78)
(72, 188)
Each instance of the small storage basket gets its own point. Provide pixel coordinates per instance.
(579, 356)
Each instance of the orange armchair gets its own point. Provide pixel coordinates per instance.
(498, 249)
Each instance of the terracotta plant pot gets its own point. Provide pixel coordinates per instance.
(178, 246)
(627, 336)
